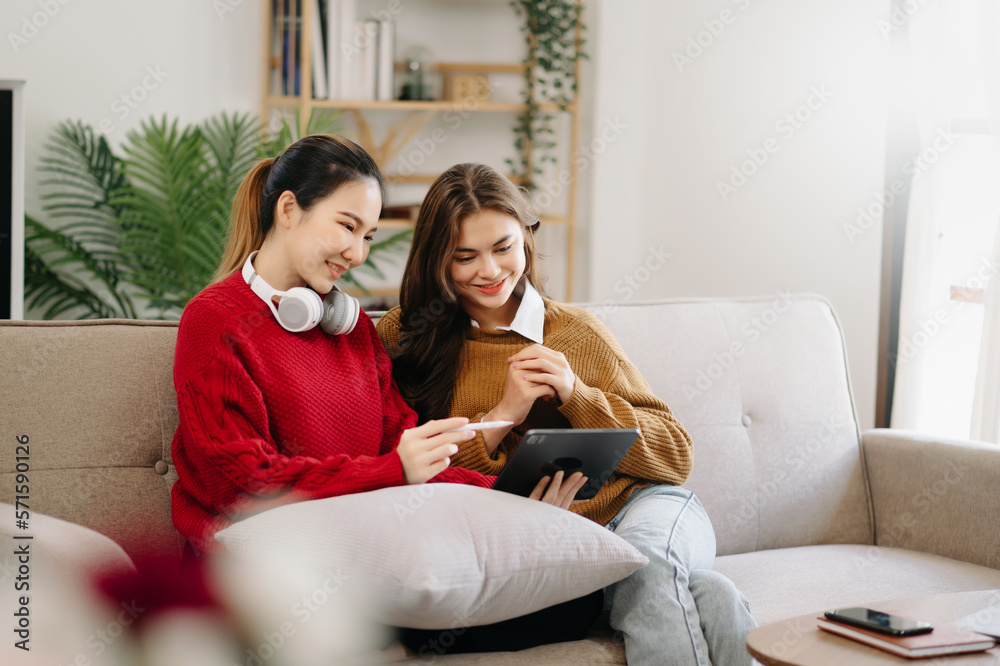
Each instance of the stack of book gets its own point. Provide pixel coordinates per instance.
(352, 57)
(944, 640)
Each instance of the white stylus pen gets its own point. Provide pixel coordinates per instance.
(483, 425)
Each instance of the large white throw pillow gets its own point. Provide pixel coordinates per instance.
(441, 556)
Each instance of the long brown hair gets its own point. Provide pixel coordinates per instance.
(433, 325)
(312, 168)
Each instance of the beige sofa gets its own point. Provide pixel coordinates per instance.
(809, 513)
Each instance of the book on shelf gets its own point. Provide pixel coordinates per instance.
(944, 640)
(352, 56)
(320, 80)
(331, 35)
(276, 81)
(288, 43)
(345, 49)
(366, 59)
(385, 61)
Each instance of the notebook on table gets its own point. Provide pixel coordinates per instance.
(944, 640)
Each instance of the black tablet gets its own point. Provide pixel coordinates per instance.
(594, 451)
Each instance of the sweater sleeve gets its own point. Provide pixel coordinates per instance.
(397, 416)
(224, 451)
(473, 455)
(388, 332)
(229, 462)
(621, 398)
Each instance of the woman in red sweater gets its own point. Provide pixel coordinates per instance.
(273, 408)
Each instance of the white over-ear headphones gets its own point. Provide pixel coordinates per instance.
(301, 308)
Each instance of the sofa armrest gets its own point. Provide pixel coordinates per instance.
(935, 495)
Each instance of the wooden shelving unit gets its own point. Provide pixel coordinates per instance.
(400, 105)
(419, 113)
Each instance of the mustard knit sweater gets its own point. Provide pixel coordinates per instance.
(609, 393)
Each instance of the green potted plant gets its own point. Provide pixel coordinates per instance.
(148, 223)
(553, 32)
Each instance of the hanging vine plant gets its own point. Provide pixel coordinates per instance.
(553, 35)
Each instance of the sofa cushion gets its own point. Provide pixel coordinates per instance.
(761, 385)
(793, 581)
(80, 551)
(96, 401)
(595, 650)
(439, 556)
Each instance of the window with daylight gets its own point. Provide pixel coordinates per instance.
(947, 357)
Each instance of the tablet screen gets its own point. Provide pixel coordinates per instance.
(594, 451)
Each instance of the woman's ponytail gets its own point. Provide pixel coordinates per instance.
(312, 168)
(246, 232)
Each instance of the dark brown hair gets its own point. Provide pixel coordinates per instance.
(433, 325)
(312, 168)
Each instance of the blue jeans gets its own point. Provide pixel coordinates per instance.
(676, 610)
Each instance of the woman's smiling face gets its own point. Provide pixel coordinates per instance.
(487, 264)
(333, 236)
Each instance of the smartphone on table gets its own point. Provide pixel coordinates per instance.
(883, 623)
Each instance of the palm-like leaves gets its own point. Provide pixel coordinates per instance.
(56, 283)
(152, 223)
(75, 267)
(176, 205)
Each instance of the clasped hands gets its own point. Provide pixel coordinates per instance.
(534, 372)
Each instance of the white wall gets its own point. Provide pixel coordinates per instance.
(81, 60)
(683, 127)
(209, 54)
(672, 133)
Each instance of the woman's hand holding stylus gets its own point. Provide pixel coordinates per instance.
(426, 450)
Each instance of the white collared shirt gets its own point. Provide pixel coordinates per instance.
(529, 320)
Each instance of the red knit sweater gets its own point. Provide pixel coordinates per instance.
(269, 417)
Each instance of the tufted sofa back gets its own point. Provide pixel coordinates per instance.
(96, 401)
(761, 385)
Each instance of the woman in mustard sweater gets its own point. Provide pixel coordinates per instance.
(474, 337)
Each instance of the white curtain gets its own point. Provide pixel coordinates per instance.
(986, 402)
(952, 220)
